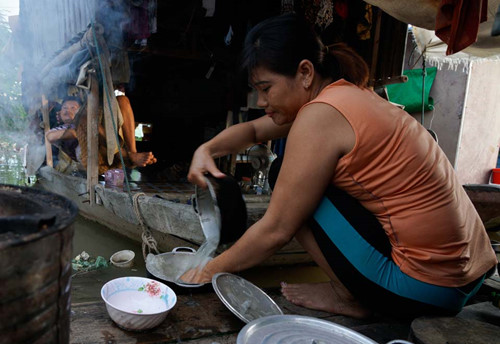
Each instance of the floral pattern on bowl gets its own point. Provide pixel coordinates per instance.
(152, 288)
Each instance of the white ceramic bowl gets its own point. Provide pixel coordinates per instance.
(123, 259)
(137, 303)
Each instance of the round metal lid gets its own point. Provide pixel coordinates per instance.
(298, 329)
(244, 299)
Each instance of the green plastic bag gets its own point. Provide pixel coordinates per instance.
(409, 93)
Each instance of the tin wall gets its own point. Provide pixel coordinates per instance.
(47, 25)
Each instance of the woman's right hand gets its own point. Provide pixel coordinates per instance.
(201, 164)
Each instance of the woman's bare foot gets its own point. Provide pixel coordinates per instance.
(141, 159)
(324, 297)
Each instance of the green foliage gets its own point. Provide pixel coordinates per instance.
(13, 117)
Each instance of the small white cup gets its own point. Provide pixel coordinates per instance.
(123, 259)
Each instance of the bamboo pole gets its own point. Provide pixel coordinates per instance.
(46, 128)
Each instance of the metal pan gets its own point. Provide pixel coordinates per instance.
(165, 274)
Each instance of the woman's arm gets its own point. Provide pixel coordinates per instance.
(317, 139)
(231, 140)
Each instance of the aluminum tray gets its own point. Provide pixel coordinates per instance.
(298, 329)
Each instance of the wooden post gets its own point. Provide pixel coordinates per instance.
(92, 137)
(231, 162)
(376, 43)
(46, 128)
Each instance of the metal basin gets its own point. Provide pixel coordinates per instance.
(171, 262)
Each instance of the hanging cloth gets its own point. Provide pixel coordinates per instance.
(318, 12)
(325, 14)
(142, 19)
(409, 93)
(364, 26)
(457, 22)
(112, 115)
(287, 6)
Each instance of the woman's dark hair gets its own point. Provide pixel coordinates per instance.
(280, 43)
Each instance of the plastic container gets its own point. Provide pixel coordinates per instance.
(114, 177)
(495, 176)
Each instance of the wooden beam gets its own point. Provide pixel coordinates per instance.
(46, 128)
(375, 51)
(92, 137)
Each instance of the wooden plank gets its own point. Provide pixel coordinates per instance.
(92, 137)
(444, 330)
(384, 332)
(225, 339)
(376, 44)
(483, 311)
(486, 200)
(193, 317)
(46, 128)
(493, 282)
(203, 319)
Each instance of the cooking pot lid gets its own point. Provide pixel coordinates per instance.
(244, 299)
(298, 329)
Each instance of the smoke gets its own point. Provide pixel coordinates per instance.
(16, 131)
(42, 50)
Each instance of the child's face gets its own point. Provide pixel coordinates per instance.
(68, 111)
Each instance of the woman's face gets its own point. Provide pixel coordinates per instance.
(280, 96)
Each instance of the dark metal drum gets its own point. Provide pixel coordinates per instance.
(36, 235)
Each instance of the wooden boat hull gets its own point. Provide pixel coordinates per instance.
(172, 223)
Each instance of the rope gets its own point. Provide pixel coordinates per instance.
(148, 241)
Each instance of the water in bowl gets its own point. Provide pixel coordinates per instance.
(139, 303)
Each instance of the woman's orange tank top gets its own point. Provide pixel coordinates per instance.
(399, 173)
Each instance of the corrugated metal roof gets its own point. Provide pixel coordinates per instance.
(48, 25)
